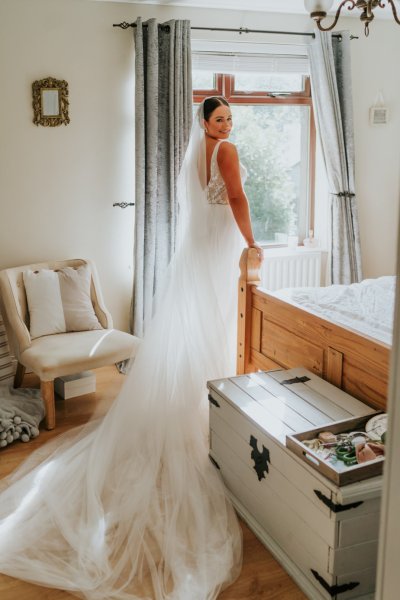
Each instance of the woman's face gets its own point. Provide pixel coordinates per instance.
(219, 124)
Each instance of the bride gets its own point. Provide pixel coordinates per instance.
(130, 507)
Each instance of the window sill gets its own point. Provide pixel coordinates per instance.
(287, 251)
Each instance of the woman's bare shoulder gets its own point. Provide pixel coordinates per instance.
(227, 151)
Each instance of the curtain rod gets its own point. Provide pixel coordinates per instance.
(125, 25)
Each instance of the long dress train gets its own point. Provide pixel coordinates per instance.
(130, 507)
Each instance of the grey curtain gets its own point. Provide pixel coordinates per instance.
(163, 118)
(332, 99)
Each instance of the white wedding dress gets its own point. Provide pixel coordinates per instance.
(130, 506)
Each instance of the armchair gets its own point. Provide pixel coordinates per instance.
(51, 356)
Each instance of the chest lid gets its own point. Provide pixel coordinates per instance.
(284, 402)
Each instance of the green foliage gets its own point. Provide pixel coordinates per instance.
(265, 136)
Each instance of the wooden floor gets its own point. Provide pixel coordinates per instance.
(262, 578)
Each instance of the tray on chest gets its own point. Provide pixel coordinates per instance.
(338, 461)
(324, 534)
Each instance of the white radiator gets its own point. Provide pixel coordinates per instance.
(283, 267)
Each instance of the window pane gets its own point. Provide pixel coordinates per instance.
(203, 80)
(269, 82)
(273, 144)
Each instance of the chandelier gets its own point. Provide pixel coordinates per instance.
(318, 10)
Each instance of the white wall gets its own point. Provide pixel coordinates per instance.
(375, 67)
(57, 185)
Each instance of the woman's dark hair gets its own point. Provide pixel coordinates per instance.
(210, 104)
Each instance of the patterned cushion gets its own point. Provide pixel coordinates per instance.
(7, 364)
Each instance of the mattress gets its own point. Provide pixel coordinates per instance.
(367, 307)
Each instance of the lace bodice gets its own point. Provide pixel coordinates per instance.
(216, 189)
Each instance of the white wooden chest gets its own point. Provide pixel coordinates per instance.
(325, 536)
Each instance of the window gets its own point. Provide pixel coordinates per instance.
(275, 135)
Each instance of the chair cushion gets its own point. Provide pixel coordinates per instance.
(66, 353)
(59, 301)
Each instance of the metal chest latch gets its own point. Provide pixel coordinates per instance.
(261, 459)
(214, 462)
(213, 401)
(302, 379)
(336, 507)
(333, 590)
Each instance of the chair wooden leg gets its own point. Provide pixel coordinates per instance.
(47, 389)
(19, 375)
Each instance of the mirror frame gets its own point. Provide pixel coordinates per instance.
(49, 83)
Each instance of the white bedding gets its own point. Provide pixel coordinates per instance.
(367, 307)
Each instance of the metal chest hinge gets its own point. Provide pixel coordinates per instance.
(295, 380)
(336, 508)
(213, 401)
(214, 462)
(333, 590)
(261, 459)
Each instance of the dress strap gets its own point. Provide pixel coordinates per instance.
(213, 162)
(215, 151)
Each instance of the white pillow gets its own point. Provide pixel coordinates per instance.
(43, 293)
(59, 301)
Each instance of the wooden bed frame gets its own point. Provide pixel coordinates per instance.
(274, 333)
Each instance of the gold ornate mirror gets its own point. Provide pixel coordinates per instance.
(50, 102)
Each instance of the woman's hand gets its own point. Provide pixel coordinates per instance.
(260, 250)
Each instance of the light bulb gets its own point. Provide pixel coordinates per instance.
(317, 5)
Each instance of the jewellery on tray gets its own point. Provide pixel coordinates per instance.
(352, 447)
(343, 450)
(313, 444)
(358, 439)
(350, 459)
(353, 437)
(327, 438)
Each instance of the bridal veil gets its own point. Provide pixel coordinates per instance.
(129, 507)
